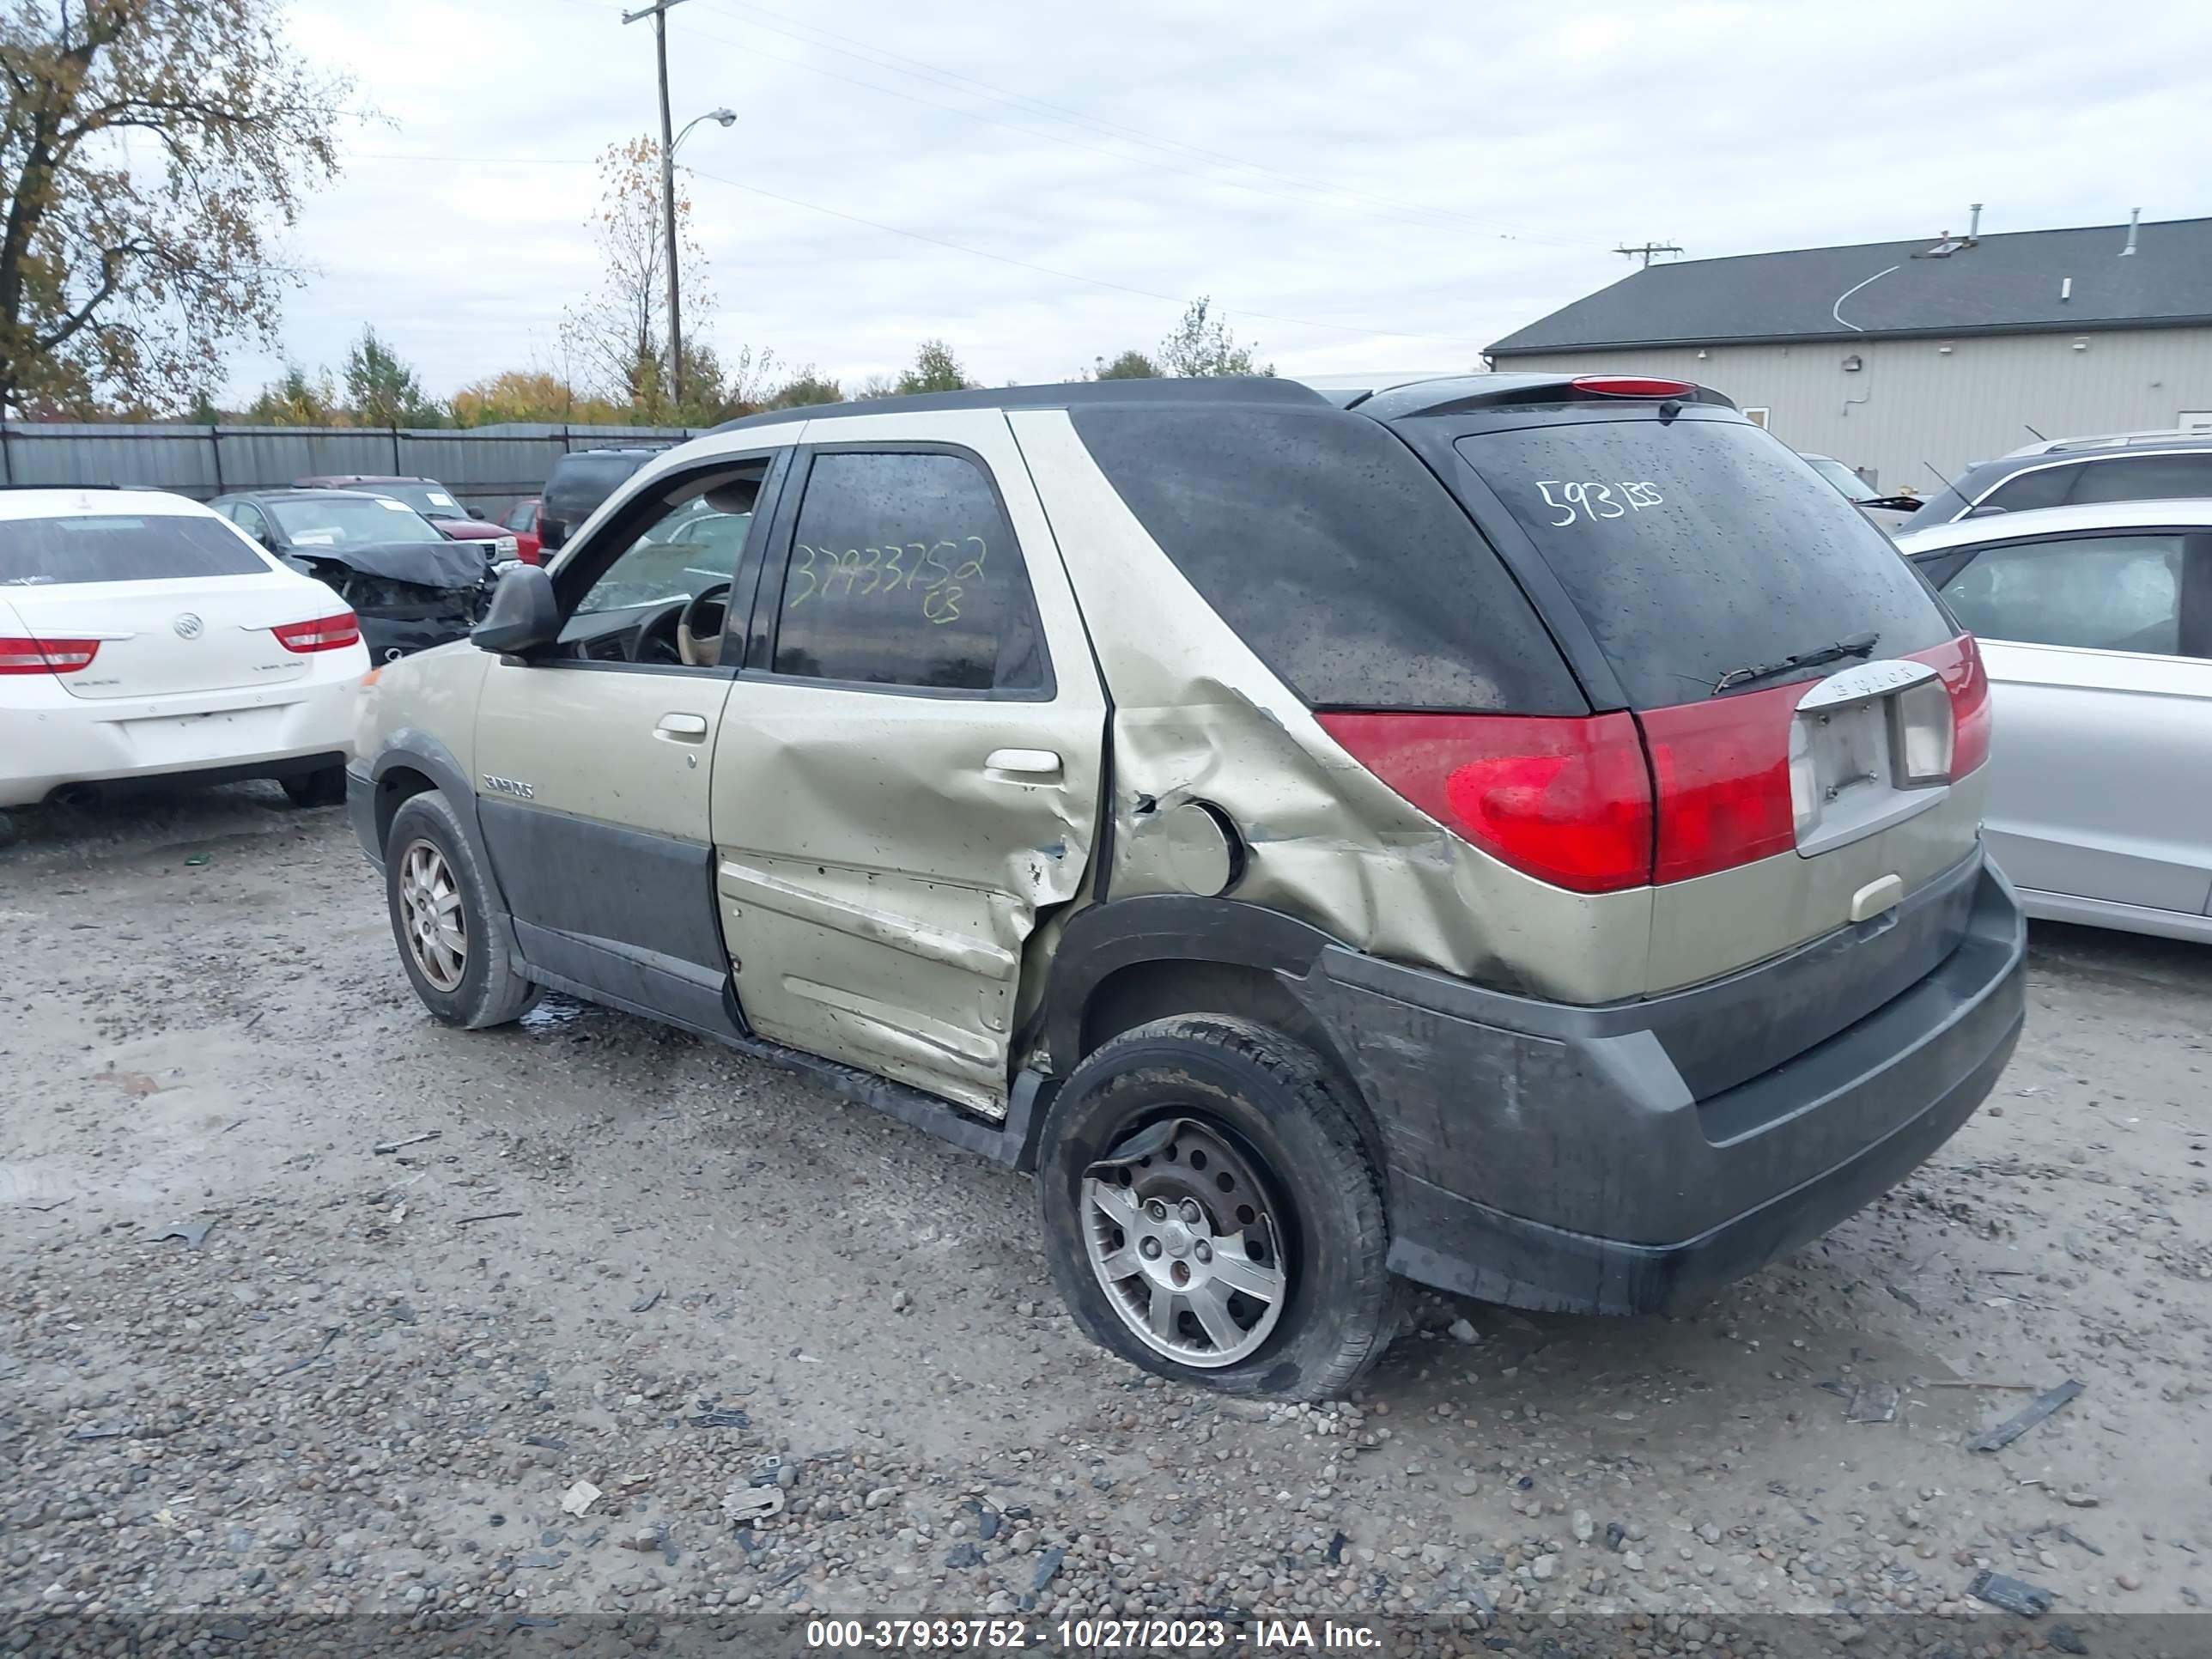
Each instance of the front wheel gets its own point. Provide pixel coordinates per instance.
(1210, 1215)
(437, 896)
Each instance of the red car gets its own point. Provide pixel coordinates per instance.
(522, 520)
(433, 501)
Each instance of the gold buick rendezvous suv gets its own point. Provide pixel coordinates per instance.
(1513, 833)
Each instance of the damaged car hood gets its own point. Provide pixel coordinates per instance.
(426, 564)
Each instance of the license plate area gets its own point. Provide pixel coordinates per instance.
(1868, 747)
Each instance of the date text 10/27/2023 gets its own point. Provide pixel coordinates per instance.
(1092, 1636)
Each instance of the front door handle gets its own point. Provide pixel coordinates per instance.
(682, 728)
(1039, 764)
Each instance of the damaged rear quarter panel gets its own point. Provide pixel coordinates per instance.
(1198, 716)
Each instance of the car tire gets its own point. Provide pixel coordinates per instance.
(324, 786)
(433, 879)
(1169, 1118)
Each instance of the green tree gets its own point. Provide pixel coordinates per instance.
(382, 391)
(804, 388)
(149, 151)
(1129, 366)
(296, 398)
(1201, 344)
(934, 368)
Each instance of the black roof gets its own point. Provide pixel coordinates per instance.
(1227, 389)
(2010, 283)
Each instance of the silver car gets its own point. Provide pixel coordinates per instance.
(2096, 627)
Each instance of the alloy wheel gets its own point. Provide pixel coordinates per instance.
(437, 924)
(1184, 1231)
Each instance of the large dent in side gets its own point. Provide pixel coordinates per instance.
(1197, 717)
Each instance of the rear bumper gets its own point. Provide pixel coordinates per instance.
(211, 736)
(1561, 1158)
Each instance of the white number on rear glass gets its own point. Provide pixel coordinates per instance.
(1591, 500)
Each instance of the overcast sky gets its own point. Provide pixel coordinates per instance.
(1360, 186)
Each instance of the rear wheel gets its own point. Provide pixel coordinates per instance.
(324, 786)
(438, 899)
(1210, 1215)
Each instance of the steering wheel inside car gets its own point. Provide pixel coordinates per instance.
(699, 626)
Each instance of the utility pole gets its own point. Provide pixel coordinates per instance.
(658, 12)
(1647, 250)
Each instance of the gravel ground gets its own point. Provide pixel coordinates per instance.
(251, 1366)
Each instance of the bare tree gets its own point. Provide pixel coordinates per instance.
(125, 273)
(1202, 344)
(619, 335)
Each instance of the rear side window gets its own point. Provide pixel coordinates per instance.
(1695, 547)
(579, 482)
(1335, 554)
(119, 547)
(2144, 478)
(904, 571)
(2043, 486)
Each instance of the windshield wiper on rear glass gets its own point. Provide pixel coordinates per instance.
(1858, 645)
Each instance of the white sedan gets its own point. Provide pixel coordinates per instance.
(2096, 626)
(142, 635)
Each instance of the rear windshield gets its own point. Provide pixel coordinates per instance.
(117, 548)
(1695, 547)
(1334, 554)
(579, 482)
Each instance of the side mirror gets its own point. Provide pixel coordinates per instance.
(552, 534)
(522, 616)
(476, 512)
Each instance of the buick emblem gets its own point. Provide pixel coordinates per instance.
(188, 626)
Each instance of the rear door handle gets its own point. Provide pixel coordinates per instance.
(1041, 764)
(682, 728)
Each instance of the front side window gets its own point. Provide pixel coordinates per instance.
(693, 545)
(523, 519)
(904, 571)
(2105, 592)
(247, 517)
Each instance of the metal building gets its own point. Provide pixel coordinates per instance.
(1909, 361)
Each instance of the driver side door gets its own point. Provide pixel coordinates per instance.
(593, 759)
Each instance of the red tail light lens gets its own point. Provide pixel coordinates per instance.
(1723, 771)
(324, 634)
(1633, 385)
(27, 656)
(1566, 801)
(1959, 664)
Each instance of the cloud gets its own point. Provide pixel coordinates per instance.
(1392, 185)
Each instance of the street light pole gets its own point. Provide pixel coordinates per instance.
(658, 12)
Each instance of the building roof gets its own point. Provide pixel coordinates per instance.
(2013, 283)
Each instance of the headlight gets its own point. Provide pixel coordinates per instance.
(507, 547)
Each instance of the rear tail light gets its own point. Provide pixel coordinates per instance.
(1959, 662)
(1728, 781)
(28, 656)
(332, 633)
(1566, 801)
(1632, 385)
(1722, 769)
